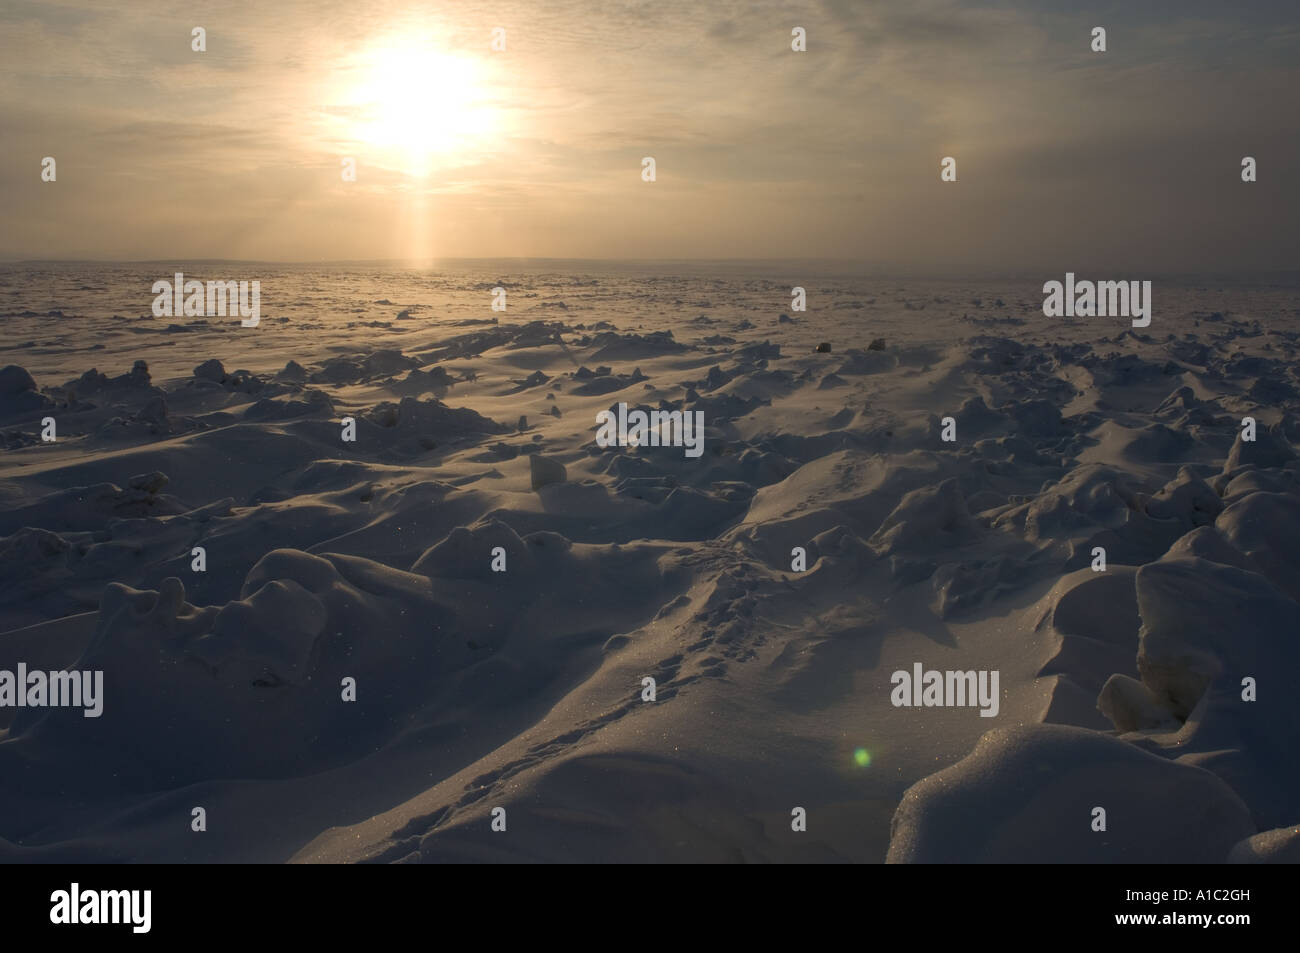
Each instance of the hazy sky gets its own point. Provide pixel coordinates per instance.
(1067, 159)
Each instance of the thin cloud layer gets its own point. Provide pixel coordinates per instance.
(1066, 157)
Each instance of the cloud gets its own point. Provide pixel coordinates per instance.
(761, 150)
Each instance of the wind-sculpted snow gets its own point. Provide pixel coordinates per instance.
(365, 573)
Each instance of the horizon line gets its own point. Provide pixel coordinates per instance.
(883, 269)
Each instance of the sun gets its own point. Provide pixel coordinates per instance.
(419, 106)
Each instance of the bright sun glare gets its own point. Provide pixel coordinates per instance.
(415, 104)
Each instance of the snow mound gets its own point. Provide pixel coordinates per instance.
(1028, 795)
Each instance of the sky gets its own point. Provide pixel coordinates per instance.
(1066, 159)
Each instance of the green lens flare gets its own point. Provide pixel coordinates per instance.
(862, 757)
